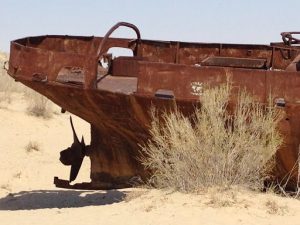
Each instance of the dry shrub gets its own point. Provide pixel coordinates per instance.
(214, 148)
(32, 146)
(19, 174)
(276, 209)
(223, 198)
(6, 94)
(38, 105)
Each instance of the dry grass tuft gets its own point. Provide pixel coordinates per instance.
(6, 187)
(33, 146)
(214, 148)
(222, 197)
(38, 105)
(17, 175)
(5, 82)
(275, 209)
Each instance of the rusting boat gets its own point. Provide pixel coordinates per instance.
(114, 94)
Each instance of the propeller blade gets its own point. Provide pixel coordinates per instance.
(83, 143)
(76, 140)
(74, 155)
(75, 169)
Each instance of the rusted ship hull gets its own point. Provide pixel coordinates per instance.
(116, 100)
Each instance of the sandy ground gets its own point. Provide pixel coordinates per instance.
(28, 196)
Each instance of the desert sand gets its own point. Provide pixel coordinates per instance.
(28, 195)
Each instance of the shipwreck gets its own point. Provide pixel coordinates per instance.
(114, 94)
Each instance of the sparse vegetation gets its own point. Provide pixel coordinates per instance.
(38, 105)
(215, 147)
(275, 209)
(6, 187)
(33, 146)
(5, 82)
(17, 175)
(222, 197)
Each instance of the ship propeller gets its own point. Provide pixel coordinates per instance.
(73, 156)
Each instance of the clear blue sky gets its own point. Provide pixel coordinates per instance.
(226, 21)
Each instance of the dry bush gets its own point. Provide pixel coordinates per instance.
(222, 198)
(33, 146)
(38, 105)
(275, 209)
(214, 148)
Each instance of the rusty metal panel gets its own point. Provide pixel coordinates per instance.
(126, 85)
(71, 75)
(125, 66)
(192, 79)
(284, 85)
(249, 63)
(157, 51)
(282, 57)
(194, 54)
(27, 62)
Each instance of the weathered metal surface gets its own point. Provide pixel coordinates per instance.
(248, 63)
(289, 38)
(116, 100)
